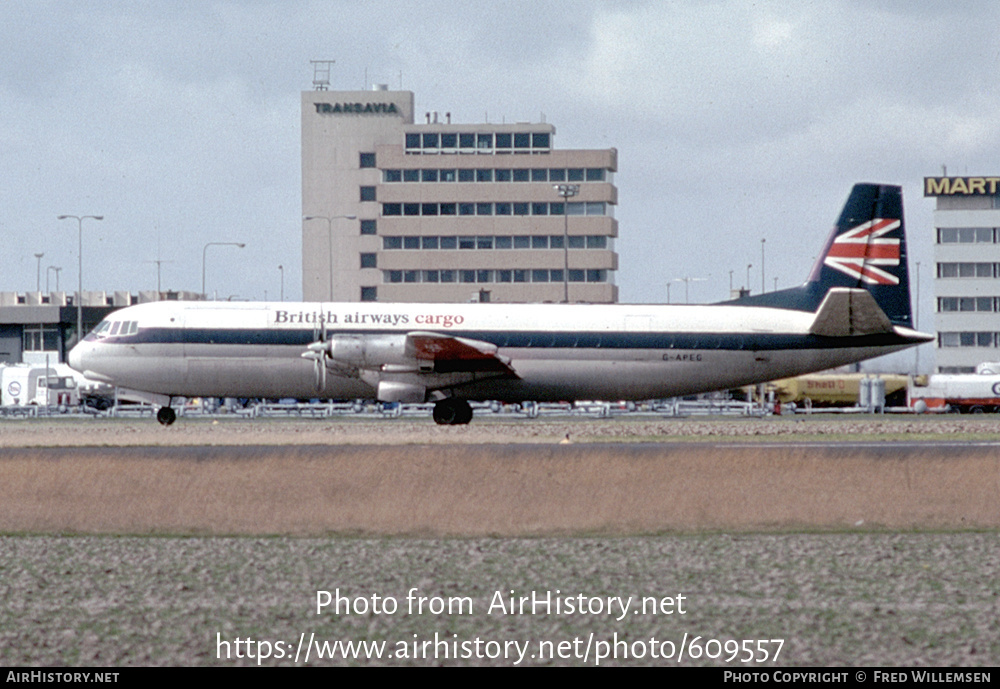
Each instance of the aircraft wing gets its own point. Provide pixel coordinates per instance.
(456, 354)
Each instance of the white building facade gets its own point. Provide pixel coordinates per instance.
(967, 270)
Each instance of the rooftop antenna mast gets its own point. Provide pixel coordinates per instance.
(321, 74)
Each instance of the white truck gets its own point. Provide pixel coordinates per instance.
(967, 393)
(43, 385)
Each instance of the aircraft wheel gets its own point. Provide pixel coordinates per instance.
(166, 416)
(452, 412)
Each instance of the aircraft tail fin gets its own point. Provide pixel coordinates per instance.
(865, 251)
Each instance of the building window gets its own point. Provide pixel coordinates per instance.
(392, 243)
(41, 338)
(368, 260)
(367, 193)
(967, 339)
(369, 227)
(965, 270)
(965, 235)
(392, 175)
(955, 304)
(367, 160)
(369, 294)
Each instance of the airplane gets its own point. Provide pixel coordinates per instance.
(855, 305)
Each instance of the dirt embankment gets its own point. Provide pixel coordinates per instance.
(495, 489)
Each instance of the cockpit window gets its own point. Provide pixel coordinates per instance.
(112, 328)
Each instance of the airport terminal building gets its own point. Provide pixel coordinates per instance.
(967, 264)
(433, 211)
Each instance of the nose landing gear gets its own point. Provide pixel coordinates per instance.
(166, 415)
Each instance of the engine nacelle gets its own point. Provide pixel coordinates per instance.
(397, 391)
(368, 351)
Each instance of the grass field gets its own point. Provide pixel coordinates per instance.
(847, 599)
(850, 557)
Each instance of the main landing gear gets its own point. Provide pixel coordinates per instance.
(166, 415)
(452, 412)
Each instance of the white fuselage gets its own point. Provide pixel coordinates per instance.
(556, 352)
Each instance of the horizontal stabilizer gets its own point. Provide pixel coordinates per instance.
(847, 312)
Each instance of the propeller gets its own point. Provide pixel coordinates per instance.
(317, 352)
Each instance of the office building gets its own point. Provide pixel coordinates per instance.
(967, 265)
(435, 211)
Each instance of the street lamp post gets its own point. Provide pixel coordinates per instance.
(763, 287)
(55, 268)
(38, 272)
(329, 229)
(79, 293)
(687, 281)
(916, 321)
(204, 252)
(566, 191)
(281, 269)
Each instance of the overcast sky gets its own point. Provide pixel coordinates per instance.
(734, 121)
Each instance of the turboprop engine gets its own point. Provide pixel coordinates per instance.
(369, 351)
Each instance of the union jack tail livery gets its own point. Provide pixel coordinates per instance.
(866, 250)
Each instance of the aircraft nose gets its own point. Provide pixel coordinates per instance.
(75, 357)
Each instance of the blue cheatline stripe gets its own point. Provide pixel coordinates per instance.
(527, 339)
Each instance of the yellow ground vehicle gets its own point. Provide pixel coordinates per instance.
(836, 389)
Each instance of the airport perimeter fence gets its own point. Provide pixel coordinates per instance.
(252, 409)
